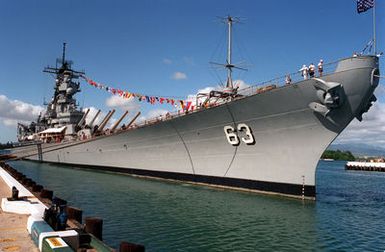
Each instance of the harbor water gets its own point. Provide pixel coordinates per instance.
(348, 215)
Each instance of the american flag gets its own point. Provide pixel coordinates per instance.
(364, 5)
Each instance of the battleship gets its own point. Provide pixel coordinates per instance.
(266, 139)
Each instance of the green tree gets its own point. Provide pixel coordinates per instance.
(338, 155)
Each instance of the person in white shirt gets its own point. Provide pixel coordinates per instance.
(288, 79)
(320, 67)
(304, 72)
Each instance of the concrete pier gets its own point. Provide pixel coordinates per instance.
(13, 227)
(365, 166)
(37, 222)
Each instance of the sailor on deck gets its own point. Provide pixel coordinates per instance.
(311, 70)
(288, 79)
(304, 71)
(320, 67)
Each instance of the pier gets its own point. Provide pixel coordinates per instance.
(365, 166)
(32, 219)
(13, 232)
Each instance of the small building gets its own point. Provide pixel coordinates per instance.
(52, 135)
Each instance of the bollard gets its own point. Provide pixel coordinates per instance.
(25, 180)
(17, 175)
(15, 193)
(58, 201)
(31, 183)
(94, 225)
(84, 238)
(46, 194)
(37, 188)
(21, 178)
(75, 214)
(130, 247)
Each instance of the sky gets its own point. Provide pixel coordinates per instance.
(163, 48)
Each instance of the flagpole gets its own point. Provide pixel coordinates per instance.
(374, 27)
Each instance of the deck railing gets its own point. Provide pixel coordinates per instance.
(280, 81)
(260, 87)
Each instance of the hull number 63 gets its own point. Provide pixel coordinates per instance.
(233, 138)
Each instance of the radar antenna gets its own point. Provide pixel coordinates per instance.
(65, 66)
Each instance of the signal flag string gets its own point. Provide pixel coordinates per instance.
(143, 98)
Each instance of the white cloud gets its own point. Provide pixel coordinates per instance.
(167, 61)
(179, 76)
(380, 90)
(124, 104)
(237, 83)
(130, 105)
(12, 123)
(156, 112)
(189, 61)
(111, 122)
(185, 60)
(13, 111)
(152, 114)
(240, 84)
(92, 114)
(370, 131)
(101, 116)
(207, 90)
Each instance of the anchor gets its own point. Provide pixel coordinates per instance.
(329, 94)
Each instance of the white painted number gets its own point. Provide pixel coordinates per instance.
(233, 138)
(249, 136)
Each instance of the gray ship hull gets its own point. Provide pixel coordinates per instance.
(289, 138)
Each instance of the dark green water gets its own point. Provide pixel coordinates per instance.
(349, 214)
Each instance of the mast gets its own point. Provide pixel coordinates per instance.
(64, 53)
(229, 20)
(229, 66)
(374, 28)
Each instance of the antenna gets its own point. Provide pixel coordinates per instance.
(374, 28)
(66, 65)
(64, 53)
(229, 66)
(229, 20)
